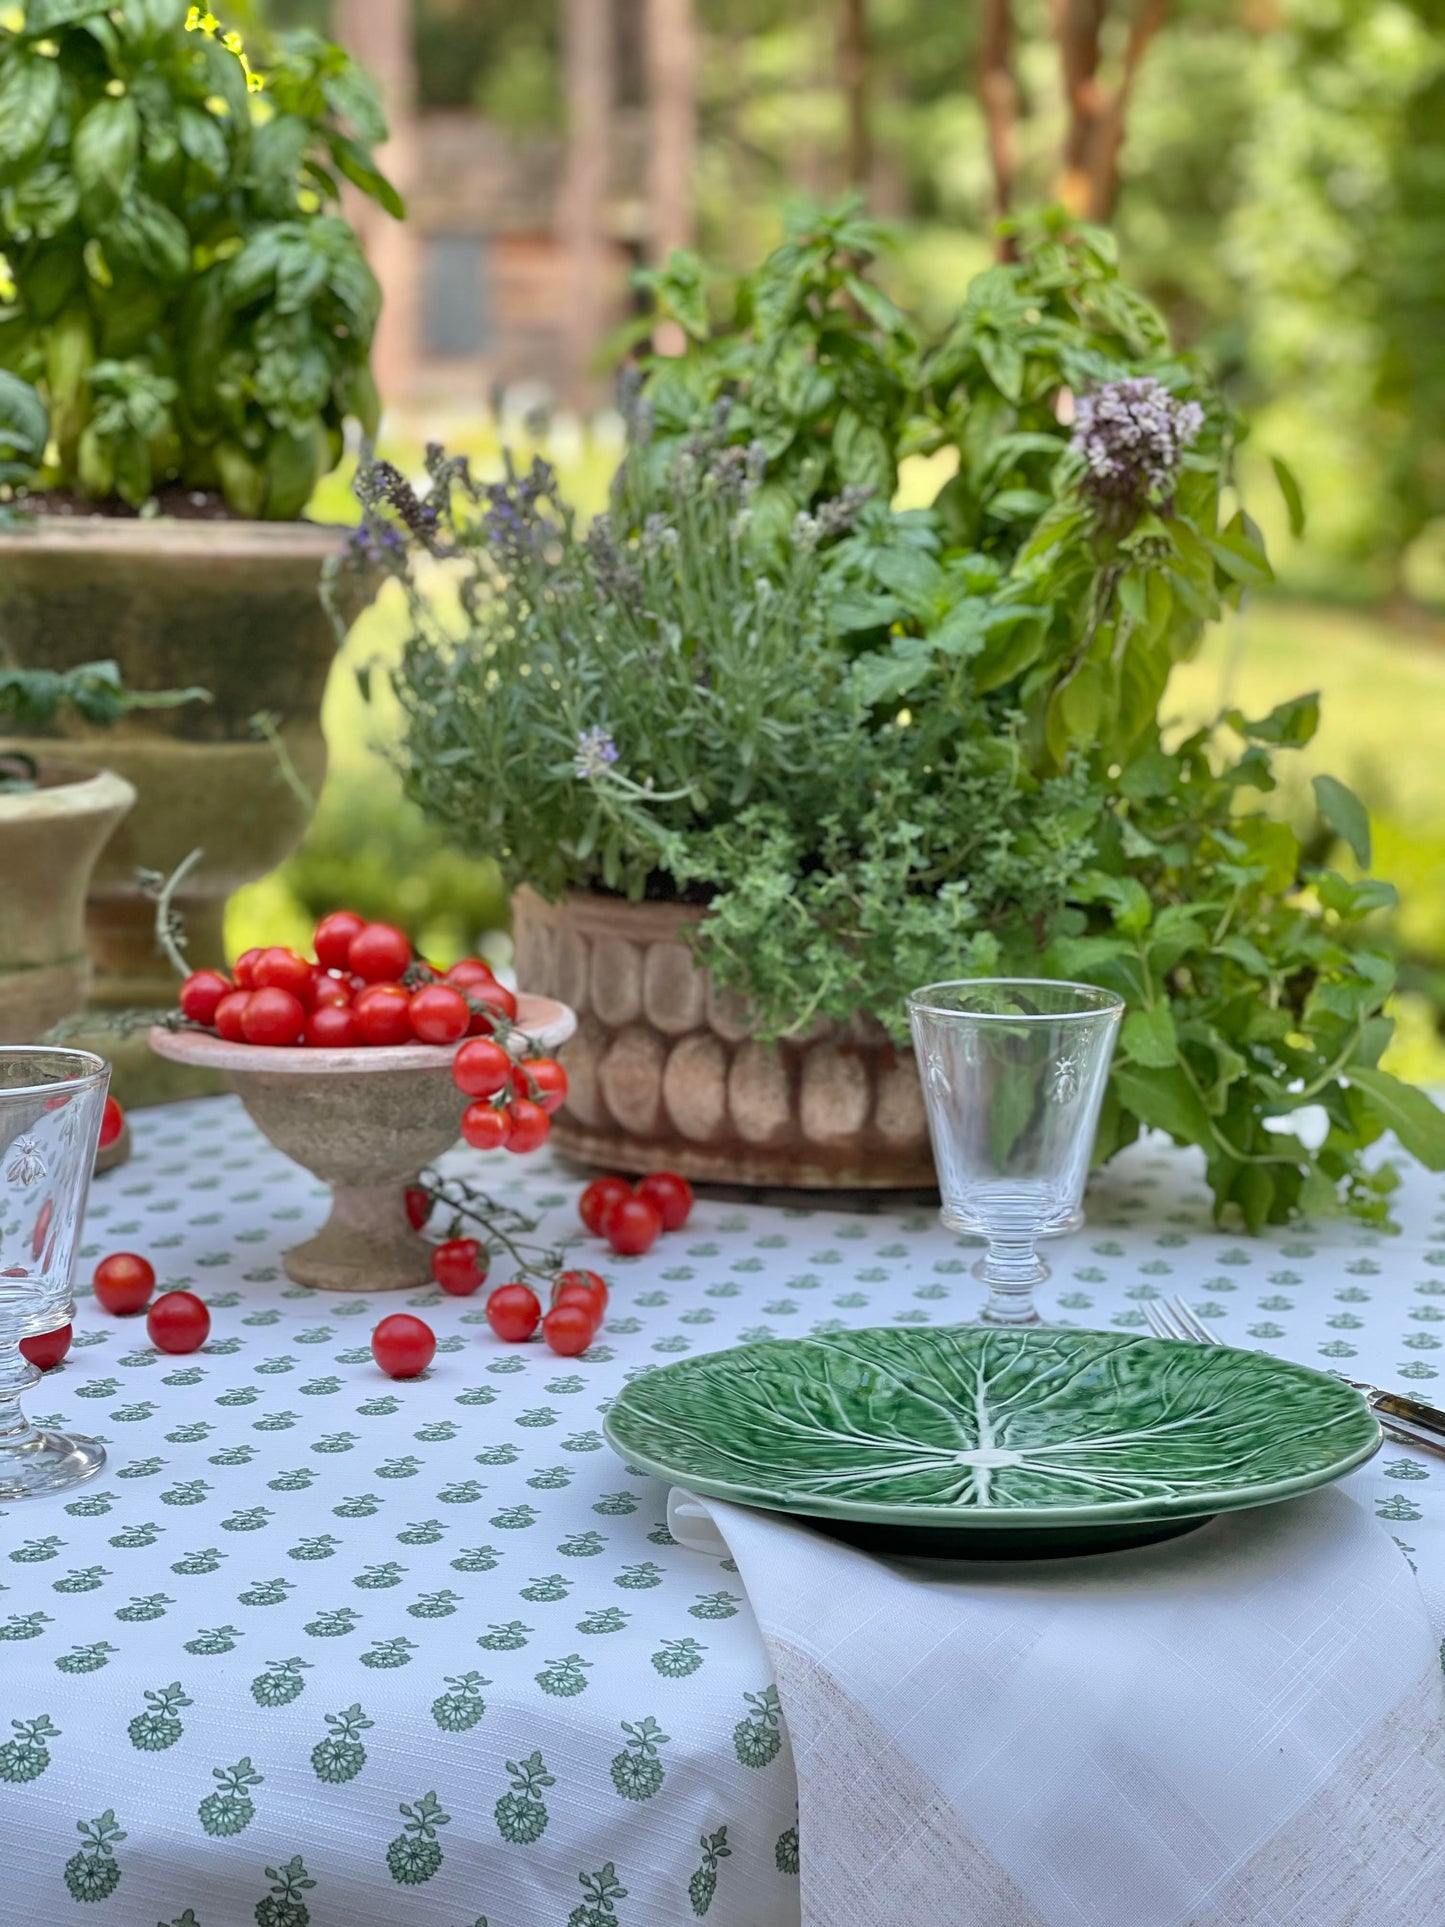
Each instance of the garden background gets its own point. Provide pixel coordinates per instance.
(1274, 171)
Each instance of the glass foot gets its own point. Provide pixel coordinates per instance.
(40, 1463)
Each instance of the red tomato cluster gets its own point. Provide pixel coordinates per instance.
(511, 1104)
(365, 989)
(579, 1304)
(630, 1218)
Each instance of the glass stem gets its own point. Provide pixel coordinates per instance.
(17, 1375)
(1011, 1267)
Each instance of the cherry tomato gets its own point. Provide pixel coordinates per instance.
(596, 1198)
(440, 1014)
(383, 1014)
(460, 1266)
(670, 1196)
(279, 969)
(631, 1226)
(543, 1080)
(500, 998)
(481, 1068)
(588, 1281)
(473, 975)
(124, 1282)
(200, 994)
(513, 1312)
(527, 1126)
(178, 1322)
(379, 952)
(244, 973)
(331, 1027)
(332, 941)
(229, 1012)
(112, 1122)
(578, 1295)
(484, 1128)
(272, 1016)
(403, 1346)
(569, 1329)
(330, 990)
(418, 1206)
(47, 1349)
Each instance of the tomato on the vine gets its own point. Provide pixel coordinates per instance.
(278, 969)
(569, 1329)
(481, 1068)
(229, 1012)
(112, 1122)
(46, 1349)
(599, 1194)
(527, 1126)
(201, 993)
(418, 1206)
(440, 1014)
(589, 1281)
(331, 1027)
(670, 1196)
(332, 941)
(383, 1014)
(379, 952)
(513, 1312)
(473, 975)
(500, 999)
(178, 1322)
(403, 1346)
(243, 975)
(272, 1016)
(459, 1266)
(631, 1226)
(484, 1127)
(541, 1079)
(124, 1282)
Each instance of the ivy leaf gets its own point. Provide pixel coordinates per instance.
(1148, 1037)
(1346, 816)
(1409, 1113)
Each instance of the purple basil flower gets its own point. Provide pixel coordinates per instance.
(1132, 435)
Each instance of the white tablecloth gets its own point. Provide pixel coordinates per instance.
(306, 1612)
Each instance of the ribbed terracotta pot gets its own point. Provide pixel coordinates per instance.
(50, 838)
(666, 1071)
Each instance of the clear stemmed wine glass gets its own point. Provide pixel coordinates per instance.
(50, 1110)
(1013, 1073)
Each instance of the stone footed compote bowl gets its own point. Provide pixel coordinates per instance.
(367, 1122)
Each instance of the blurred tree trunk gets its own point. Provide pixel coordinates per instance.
(588, 51)
(378, 34)
(856, 80)
(672, 65)
(1088, 182)
(999, 93)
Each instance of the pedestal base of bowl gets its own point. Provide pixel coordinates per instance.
(367, 1244)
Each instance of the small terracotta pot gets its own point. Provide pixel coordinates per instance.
(50, 838)
(665, 1070)
(367, 1123)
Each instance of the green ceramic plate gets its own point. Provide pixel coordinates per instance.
(974, 1441)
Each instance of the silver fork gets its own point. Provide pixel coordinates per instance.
(1406, 1419)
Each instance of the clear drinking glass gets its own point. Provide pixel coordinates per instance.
(50, 1110)
(1013, 1076)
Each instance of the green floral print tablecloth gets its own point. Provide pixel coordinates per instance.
(320, 1650)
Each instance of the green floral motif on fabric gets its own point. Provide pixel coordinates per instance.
(756, 1739)
(458, 1710)
(676, 1658)
(564, 1678)
(27, 1755)
(602, 1889)
(415, 1855)
(388, 1653)
(93, 1873)
(520, 1815)
(230, 1808)
(159, 1726)
(341, 1755)
(280, 1683)
(785, 1853)
(637, 1772)
(702, 1887)
(283, 1906)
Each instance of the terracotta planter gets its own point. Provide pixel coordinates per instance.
(229, 606)
(50, 838)
(666, 1071)
(366, 1122)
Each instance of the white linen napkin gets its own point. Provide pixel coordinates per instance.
(1237, 1728)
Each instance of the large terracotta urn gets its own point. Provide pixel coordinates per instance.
(665, 1070)
(50, 837)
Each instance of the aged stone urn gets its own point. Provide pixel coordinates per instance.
(228, 606)
(367, 1122)
(666, 1071)
(50, 838)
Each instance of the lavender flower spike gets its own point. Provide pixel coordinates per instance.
(595, 752)
(1132, 435)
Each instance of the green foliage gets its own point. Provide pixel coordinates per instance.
(176, 282)
(24, 429)
(887, 747)
(31, 698)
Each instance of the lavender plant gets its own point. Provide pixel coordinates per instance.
(885, 747)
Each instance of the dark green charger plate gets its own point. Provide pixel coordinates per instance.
(974, 1442)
